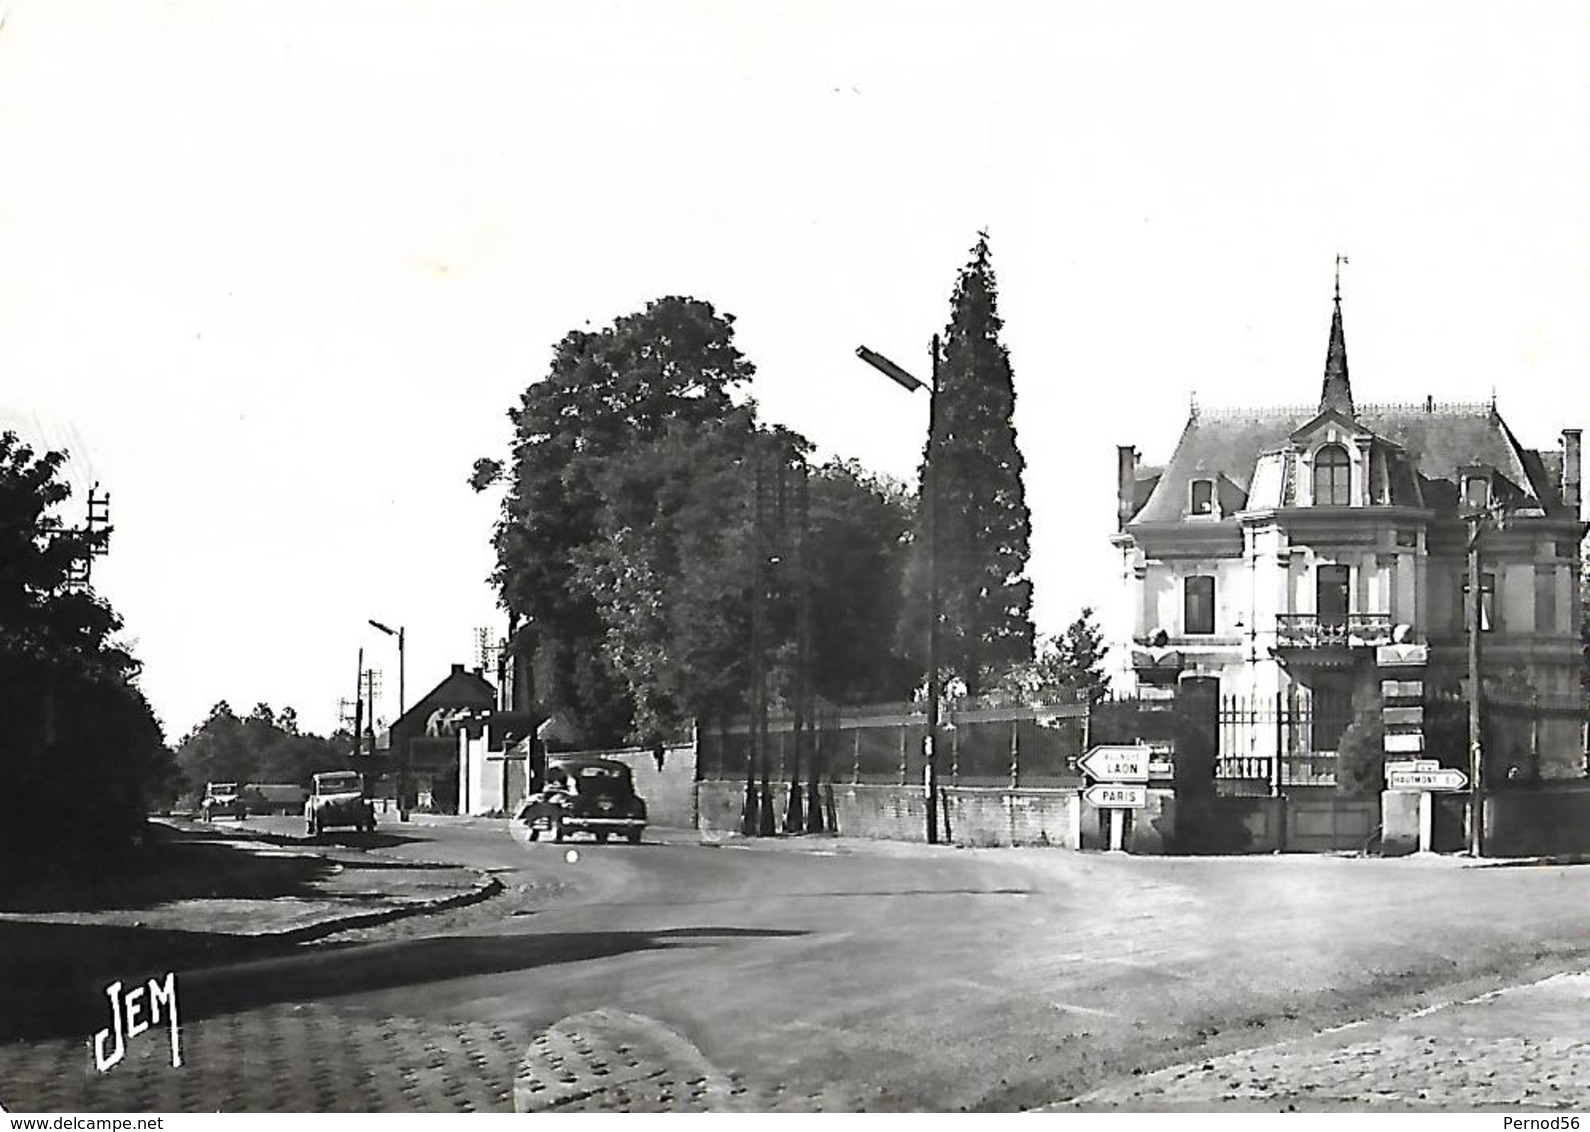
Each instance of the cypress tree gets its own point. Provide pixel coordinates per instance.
(985, 595)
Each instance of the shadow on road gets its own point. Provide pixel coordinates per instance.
(171, 865)
(328, 970)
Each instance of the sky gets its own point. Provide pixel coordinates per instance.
(276, 271)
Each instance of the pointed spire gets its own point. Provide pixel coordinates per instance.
(1338, 391)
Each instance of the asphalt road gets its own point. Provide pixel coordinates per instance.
(847, 975)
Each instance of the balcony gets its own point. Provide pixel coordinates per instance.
(1351, 631)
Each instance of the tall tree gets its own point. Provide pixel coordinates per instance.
(83, 749)
(628, 417)
(984, 524)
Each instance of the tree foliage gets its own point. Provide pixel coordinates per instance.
(625, 543)
(264, 746)
(83, 749)
(984, 524)
(1066, 666)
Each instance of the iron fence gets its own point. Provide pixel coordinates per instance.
(1020, 744)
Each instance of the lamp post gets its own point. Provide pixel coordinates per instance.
(1494, 515)
(931, 488)
(402, 755)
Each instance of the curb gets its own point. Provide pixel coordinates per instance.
(484, 889)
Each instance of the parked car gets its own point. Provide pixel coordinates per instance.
(595, 796)
(222, 800)
(338, 799)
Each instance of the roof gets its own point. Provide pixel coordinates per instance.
(459, 689)
(1437, 442)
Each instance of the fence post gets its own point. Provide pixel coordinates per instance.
(855, 765)
(955, 753)
(1534, 735)
(1015, 754)
(1280, 746)
(904, 768)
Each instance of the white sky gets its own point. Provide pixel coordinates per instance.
(278, 269)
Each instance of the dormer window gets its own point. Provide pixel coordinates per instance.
(1332, 477)
(1202, 501)
(1476, 492)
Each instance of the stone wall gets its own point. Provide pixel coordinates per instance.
(1550, 821)
(971, 815)
(669, 790)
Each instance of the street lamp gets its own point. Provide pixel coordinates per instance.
(902, 377)
(402, 754)
(1494, 515)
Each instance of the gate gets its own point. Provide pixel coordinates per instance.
(1330, 825)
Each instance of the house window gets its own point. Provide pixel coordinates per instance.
(1332, 477)
(1476, 493)
(1331, 585)
(1487, 603)
(1199, 615)
(1545, 599)
(1203, 497)
(1331, 710)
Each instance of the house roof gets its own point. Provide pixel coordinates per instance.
(461, 688)
(1437, 440)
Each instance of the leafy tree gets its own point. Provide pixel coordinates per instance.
(860, 527)
(658, 384)
(264, 746)
(985, 527)
(1069, 665)
(83, 749)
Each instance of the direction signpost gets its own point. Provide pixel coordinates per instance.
(1426, 776)
(1121, 774)
(1442, 779)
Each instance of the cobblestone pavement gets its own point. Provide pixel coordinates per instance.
(1523, 1046)
(322, 1058)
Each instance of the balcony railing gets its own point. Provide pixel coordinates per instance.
(1311, 631)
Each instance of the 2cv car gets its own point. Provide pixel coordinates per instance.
(590, 795)
(338, 799)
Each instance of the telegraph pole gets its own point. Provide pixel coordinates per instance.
(756, 736)
(1476, 748)
(358, 710)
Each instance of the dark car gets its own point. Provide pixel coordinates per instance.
(222, 800)
(595, 796)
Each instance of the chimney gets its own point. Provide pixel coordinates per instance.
(458, 670)
(1570, 470)
(1126, 483)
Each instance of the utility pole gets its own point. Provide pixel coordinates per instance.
(1476, 749)
(358, 710)
(933, 602)
(767, 822)
(750, 823)
(794, 813)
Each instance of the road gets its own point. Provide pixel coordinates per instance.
(827, 975)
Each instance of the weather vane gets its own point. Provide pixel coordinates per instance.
(1340, 259)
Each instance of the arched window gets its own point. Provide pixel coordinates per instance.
(1332, 477)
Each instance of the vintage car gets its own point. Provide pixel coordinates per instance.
(338, 799)
(590, 795)
(222, 800)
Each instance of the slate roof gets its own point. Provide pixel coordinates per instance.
(1438, 441)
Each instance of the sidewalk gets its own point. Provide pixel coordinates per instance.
(202, 896)
(1520, 1047)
